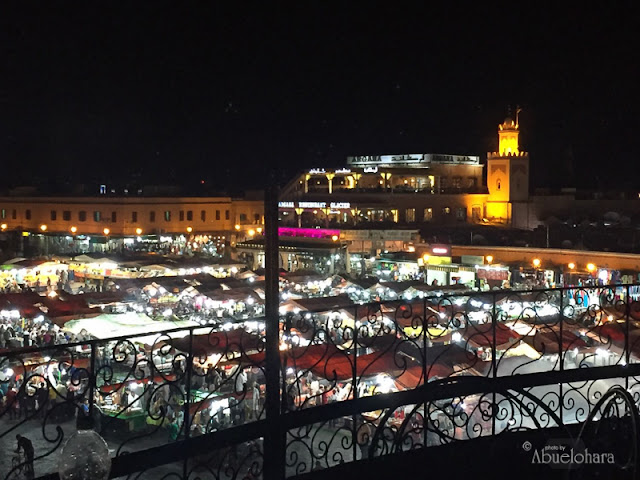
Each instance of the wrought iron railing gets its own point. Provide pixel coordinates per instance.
(356, 381)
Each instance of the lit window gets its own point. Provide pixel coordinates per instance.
(446, 210)
(167, 215)
(428, 214)
(97, 216)
(410, 215)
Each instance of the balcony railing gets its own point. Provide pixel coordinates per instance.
(356, 382)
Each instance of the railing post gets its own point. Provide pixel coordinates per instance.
(93, 379)
(561, 356)
(354, 384)
(425, 368)
(187, 386)
(274, 445)
(627, 353)
(494, 321)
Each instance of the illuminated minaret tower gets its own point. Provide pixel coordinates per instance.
(507, 172)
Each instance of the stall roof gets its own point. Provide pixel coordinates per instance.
(115, 325)
(88, 258)
(107, 298)
(232, 341)
(547, 340)
(482, 335)
(320, 304)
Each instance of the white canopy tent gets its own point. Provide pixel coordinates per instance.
(116, 325)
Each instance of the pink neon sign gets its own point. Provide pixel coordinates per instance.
(307, 232)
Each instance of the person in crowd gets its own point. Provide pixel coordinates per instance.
(42, 397)
(26, 446)
(173, 429)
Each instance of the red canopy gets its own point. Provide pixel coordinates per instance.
(413, 377)
(233, 341)
(482, 335)
(548, 341)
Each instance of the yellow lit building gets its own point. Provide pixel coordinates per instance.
(507, 174)
(414, 188)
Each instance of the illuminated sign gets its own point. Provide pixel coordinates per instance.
(312, 204)
(370, 169)
(332, 205)
(340, 205)
(316, 171)
(411, 160)
(308, 232)
(441, 250)
(343, 170)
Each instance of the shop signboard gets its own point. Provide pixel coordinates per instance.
(387, 235)
(472, 259)
(490, 273)
(440, 250)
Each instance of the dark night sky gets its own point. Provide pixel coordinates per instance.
(104, 94)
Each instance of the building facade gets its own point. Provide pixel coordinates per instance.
(129, 216)
(405, 189)
(418, 188)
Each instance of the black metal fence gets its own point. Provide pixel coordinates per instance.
(355, 381)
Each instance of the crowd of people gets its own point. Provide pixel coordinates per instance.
(34, 332)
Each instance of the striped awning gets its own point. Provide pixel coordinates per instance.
(443, 268)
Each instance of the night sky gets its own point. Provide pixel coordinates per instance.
(156, 93)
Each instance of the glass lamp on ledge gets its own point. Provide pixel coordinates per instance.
(85, 456)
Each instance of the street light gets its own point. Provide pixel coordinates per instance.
(571, 266)
(425, 257)
(43, 228)
(3, 226)
(237, 227)
(73, 229)
(259, 229)
(251, 232)
(189, 229)
(106, 231)
(536, 262)
(489, 258)
(138, 231)
(591, 267)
